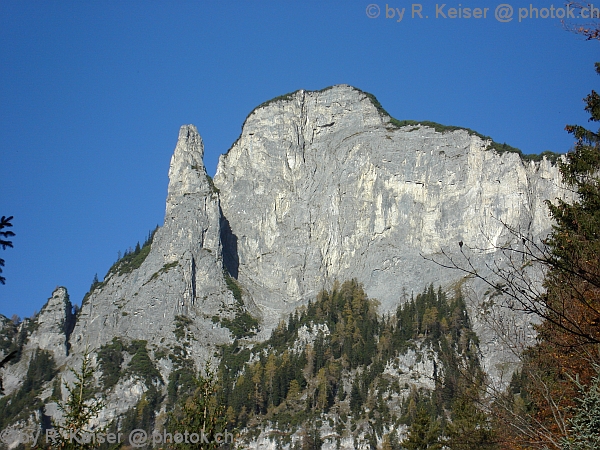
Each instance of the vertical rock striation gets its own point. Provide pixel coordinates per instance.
(322, 186)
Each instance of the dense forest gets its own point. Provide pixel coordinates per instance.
(336, 362)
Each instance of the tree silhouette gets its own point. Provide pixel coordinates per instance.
(5, 223)
(424, 433)
(79, 411)
(202, 413)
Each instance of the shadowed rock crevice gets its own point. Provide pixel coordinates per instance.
(193, 280)
(70, 321)
(229, 242)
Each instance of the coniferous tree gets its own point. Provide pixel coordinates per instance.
(584, 426)
(470, 427)
(343, 368)
(572, 302)
(4, 242)
(568, 306)
(311, 438)
(424, 433)
(570, 329)
(356, 398)
(76, 430)
(201, 413)
(568, 336)
(390, 442)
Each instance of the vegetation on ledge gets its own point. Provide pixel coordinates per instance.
(110, 357)
(132, 258)
(440, 128)
(20, 404)
(500, 148)
(243, 324)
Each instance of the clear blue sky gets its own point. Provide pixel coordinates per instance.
(92, 95)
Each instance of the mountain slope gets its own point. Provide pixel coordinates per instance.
(320, 186)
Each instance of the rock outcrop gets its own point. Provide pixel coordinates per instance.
(53, 326)
(182, 273)
(323, 186)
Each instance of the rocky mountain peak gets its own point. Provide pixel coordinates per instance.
(192, 212)
(187, 174)
(178, 273)
(303, 116)
(53, 325)
(344, 102)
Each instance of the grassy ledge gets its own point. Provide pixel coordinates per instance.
(499, 148)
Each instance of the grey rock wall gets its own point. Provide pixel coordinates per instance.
(53, 326)
(322, 187)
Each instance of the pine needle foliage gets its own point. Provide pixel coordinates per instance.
(5, 222)
(77, 430)
(584, 426)
(201, 413)
(330, 357)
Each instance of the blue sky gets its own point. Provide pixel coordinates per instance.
(92, 95)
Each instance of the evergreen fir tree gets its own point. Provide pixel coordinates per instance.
(199, 413)
(470, 427)
(584, 430)
(424, 433)
(356, 399)
(79, 411)
(575, 243)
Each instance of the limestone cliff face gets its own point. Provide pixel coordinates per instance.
(322, 186)
(48, 331)
(181, 275)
